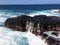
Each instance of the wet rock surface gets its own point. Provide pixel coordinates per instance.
(19, 23)
(39, 23)
(50, 38)
(53, 41)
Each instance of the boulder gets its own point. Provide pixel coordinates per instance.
(19, 23)
(37, 24)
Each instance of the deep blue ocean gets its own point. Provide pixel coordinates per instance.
(9, 37)
(30, 7)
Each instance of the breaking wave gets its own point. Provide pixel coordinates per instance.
(45, 12)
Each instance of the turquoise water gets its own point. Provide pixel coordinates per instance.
(9, 37)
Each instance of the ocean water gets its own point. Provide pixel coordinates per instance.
(9, 37)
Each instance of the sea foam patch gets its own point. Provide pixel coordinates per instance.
(9, 37)
(45, 12)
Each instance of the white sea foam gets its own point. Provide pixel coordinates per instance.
(34, 40)
(39, 13)
(45, 12)
(9, 37)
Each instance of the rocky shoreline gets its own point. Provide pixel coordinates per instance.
(37, 25)
(40, 22)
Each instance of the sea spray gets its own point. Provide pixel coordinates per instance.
(32, 38)
(30, 26)
(35, 40)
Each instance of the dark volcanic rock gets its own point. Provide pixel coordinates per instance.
(20, 23)
(10, 22)
(37, 24)
(44, 36)
(53, 41)
(55, 33)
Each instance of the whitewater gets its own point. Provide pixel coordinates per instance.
(10, 37)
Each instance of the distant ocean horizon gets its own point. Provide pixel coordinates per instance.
(31, 7)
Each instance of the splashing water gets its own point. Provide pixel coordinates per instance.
(9, 37)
